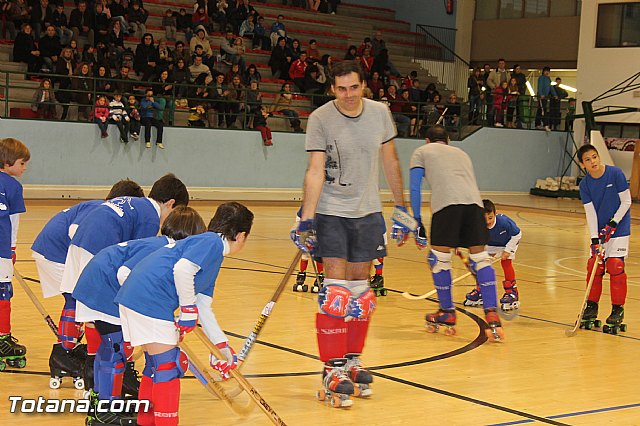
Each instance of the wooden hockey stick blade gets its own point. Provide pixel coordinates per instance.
(570, 332)
(266, 311)
(34, 299)
(244, 383)
(405, 219)
(198, 369)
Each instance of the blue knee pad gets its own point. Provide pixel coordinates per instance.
(485, 277)
(440, 264)
(169, 372)
(6, 291)
(110, 361)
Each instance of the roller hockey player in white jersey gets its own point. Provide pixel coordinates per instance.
(504, 238)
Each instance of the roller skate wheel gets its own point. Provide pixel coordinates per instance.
(54, 383)
(321, 395)
(623, 328)
(3, 365)
(86, 394)
(315, 289)
(19, 363)
(605, 329)
(357, 391)
(305, 287)
(597, 323)
(450, 331)
(495, 334)
(588, 326)
(363, 391)
(78, 384)
(431, 328)
(383, 292)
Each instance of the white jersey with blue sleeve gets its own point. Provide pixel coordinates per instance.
(54, 240)
(98, 284)
(504, 233)
(152, 289)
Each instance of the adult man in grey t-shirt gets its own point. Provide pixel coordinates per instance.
(345, 139)
(457, 221)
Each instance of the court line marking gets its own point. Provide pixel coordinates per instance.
(573, 414)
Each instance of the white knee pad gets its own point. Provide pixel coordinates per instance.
(439, 261)
(479, 260)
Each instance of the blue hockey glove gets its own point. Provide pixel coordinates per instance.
(304, 237)
(608, 231)
(421, 236)
(399, 230)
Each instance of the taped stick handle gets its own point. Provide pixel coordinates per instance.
(34, 299)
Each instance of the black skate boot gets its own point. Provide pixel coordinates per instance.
(100, 417)
(317, 284)
(63, 364)
(300, 285)
(360, 376)
(130, 381)
(614, 322)
(80, 352)
(443, 318)
(495, 333)
(590, 316)
(337, 387)
(12, 353)
(377, 285)
(87, 372)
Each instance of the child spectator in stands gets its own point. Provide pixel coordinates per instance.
(297, 71)
(352, 51)
(103, 80)
(101, 115)
(44, 101)
(260, 123)
(366, 61)
(278, 30)
(134, 117)
(185, 24)
(148, 108)
(512, 101)
(247, 29)
(312, 50)
(137, 19)
(25, 50)
(201, 38)
(118, 116)
(82, 85)
(500, 95)
(59, 21)
(283, 104)
(169, 24)
(197, 115)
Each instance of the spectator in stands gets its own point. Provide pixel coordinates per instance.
(115, 43)
(381, 63)
(218, 94)
(219, 14)
(494, 80)
(240, 14)
(554, 104)
(198, 68)
(333, 6)
(375, 84)
(148, 109)
(474, 84)
(132, 108)
(297, 69)
(166, 55)
(236, 101)
(253, 102)
(366, 61)
(118, 11)
(82, 86)
(73, 45)
(315, 81)
(295, 48)
(101, 24)
(260, 37)
(280, 60)
(409, 110)
(19, 13)
(351, 53)
(522, 82)
(545, 91)
(137, 19)
(312, 50)
(169, 24)
(234, 71)
(201, 38)
(64, 70)
(181, 76)
(452, 114)
(103, 80)
(163, 84)
(123, 83)
(59, 21)
(44, 100)
(25, 49)
(50, 47)
(500, 95)
(278, 30)
(512, 101)
(118, 116)
(570, 117)
(89, 56)
(260, 123)
(201, 19)
(396, 105)
(366, 43)
(251, 74)
(100, 115)
(146, 59)
(247, 29)
(184, 23)
(238, 57)
(181, 53)
(80, 22)
(377, 44)
(283, 104)
(381, 96)
(40, 16)
(197, 115)
(313, 4)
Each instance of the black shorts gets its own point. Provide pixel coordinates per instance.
(356, 240)
(459, 225)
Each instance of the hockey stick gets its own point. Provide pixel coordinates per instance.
(47, 318)
(242, 382)
(572, 331)
(198, 369)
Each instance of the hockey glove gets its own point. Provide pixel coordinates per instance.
(304, 237)
(399, 231)
(223, 366)
(421, 236)
(188, 319)
(608, 231)
(596, 248)
(13, 255)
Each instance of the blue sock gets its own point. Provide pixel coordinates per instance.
(442, 282)
(487, 282)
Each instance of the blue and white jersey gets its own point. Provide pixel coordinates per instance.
(53, 241)
(604, 194)
(98, 284)
(117, 220)
(11, 202)
(150, 289)
(503, 231)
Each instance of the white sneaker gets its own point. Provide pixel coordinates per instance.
(499, 125)
(147, 145)
(546, 128)
(160, 145)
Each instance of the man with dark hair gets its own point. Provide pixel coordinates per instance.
(457, 221)
(81, 22)
(341, 208)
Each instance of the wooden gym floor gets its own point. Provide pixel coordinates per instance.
(538, 375)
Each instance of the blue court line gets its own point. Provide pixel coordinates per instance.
(577, 413)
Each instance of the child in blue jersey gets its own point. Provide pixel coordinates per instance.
(97, 287)
(115, 221)
(13, 162)
(606, 198)
(179, 276)
(504, 238)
